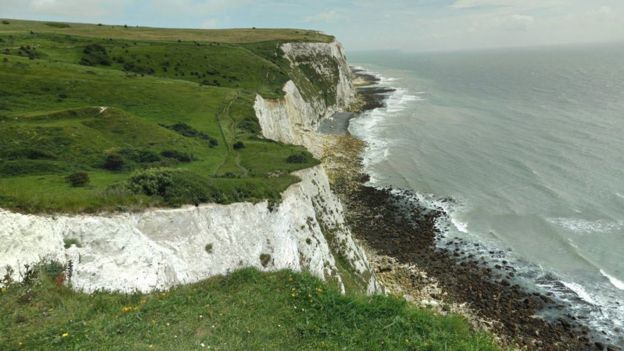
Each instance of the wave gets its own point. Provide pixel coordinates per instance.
(367, 126)
(582, 226)
(613, 280)
(580, 291)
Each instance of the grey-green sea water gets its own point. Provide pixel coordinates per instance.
(529, 143)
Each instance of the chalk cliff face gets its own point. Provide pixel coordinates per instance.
(160, 248)
(295, 118)
(157, 249)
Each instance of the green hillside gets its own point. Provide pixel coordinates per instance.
(131, 106)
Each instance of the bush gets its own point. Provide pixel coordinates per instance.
(6, 22)
(78, 179)
(95, 54)
(177, 155)
(57, 24)
(28, 51)
(114, 162)
(137, 68)
(141, 156)
(238, 145)
(22, 167)
(175, 186)
(297, 158)
(67, 243)
(190, 132)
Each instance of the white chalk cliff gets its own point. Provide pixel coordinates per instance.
(160, 248)
(294, 119)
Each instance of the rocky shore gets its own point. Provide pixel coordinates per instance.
(402, 239)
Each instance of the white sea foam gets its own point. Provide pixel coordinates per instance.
(367, 126)
(580, 291)
(614, 281)
(581, 226)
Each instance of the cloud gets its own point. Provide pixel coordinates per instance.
(74, 8)
(325, 16)
(481, 4)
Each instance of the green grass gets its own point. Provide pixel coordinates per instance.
(246, 310)
(241, 35)
(54, 77)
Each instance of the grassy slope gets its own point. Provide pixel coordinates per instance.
(246, 310)
(242, 35)
(209, 84)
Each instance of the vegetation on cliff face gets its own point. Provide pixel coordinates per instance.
(246, 310)
(106, 101)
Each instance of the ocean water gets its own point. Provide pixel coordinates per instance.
(529, 145)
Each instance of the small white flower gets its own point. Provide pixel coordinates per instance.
(202, 345)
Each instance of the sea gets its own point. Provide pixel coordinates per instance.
(523, 149)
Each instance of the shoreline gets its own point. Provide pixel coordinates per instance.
(402, 239)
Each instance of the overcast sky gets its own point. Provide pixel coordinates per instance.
(410, 25)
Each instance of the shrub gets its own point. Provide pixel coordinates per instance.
(30, 154)
(57, 24)
(190, 132)
(151, 182)
(139, 69)
(177, 155)
(28, 51)
(25, 166)
(6, 22)
(78, 179)
(95, 54)
(175, 186)
(208, 248)
(297, 158)
(114, 162)
(67, 243)
(265, 259)
(238, 145)
(147, 156)
(141, 156)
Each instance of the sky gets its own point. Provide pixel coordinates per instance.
(408, 25)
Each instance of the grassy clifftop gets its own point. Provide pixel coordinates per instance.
(99, 117)
(246, 310)
(241, 35)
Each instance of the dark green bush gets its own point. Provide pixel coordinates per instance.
(23, 167)
(78, 179)
(138, 68)
(140, 155)
(238, 145)
(28, 51)
(95, 54)
(6, 22)
(190, 132)
(57, 24)
(29, 153)
(114, 162)
(175, 186)
(177, 155)
(297, 158)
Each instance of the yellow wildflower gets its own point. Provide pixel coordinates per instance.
(65, 334)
